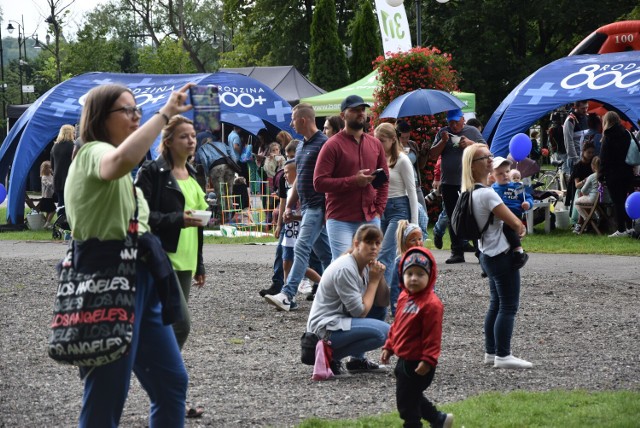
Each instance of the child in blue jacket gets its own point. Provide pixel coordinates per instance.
(515, 196)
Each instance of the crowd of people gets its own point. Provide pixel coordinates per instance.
(348, 221)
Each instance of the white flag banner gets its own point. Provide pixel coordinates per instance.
(394, 27)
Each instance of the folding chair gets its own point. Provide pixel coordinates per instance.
(591, 218)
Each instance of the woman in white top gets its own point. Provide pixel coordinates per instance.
(495, 258)
(402, 202)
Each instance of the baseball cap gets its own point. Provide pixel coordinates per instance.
(454, 115)
(416, 258)
(498, 161)
(352, 101)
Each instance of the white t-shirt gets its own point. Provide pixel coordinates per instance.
(291, 229)
(493, 241)
(402, 183)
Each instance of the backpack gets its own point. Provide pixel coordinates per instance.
(463, 222)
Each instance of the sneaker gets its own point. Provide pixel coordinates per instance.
(282, 302)
(618, 234)
(312, 295)
(305, 286)
(456, 258)
(445, 420)
(356, 365)
(511, 362)
(519, 260)
(337, 368)
(437, 241)
(273, 290)
(489, 359)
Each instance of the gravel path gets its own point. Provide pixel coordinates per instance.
(580, 329)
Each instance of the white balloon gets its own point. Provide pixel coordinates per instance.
(394, 3)
(442, 1)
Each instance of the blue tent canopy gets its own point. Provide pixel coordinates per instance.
(244, 102)
(612, 79)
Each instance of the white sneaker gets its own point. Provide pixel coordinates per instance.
(511, 362)
(305, 286)
(448, 421)
(281, 301)
(618, 234)
(489, 359)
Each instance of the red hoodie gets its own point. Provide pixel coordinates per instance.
(416, 333)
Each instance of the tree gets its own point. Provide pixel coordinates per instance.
(168, 58)
(503, 41)
(328, 62)
(365, 41)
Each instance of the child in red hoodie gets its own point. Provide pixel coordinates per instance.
(415, 338)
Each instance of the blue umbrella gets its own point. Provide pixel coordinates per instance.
(422, 102)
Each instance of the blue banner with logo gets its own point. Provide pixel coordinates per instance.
(612, 79)
(244, 102)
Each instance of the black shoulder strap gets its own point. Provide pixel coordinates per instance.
(225, 156)
(490, 219)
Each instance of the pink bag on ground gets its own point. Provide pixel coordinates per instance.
(322, 368)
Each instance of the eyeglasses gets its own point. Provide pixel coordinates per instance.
(483, 158)
(130, 111)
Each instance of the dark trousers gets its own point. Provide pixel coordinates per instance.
(450, 197)
(410, 400)
(512, 237)
(618, 190)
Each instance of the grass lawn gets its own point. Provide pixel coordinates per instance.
(556, 242)
(567, 409)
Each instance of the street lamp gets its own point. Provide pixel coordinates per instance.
(21, 45)
(54, 52)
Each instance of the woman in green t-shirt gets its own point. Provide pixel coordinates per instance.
(99, 202)
(170, 187)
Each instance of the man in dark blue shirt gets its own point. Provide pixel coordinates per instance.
(312, 233)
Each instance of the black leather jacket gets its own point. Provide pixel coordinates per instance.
(166, 204)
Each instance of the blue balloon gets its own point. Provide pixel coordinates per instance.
(520, 146)
(632, 206)
(3, 193)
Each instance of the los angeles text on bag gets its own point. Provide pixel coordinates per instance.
(93, 313)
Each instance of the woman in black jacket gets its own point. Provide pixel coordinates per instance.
(170, 187)
(60, 158)
(614, 171)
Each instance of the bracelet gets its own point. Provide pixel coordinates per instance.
(166, 118)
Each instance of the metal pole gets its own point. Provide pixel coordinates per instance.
(418, 23)
(20, 64)
(4, 107)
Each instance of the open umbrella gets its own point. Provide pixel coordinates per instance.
(422, 102)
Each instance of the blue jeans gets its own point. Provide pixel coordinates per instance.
(397, 209)
(278, 271)
(155, 359)
(341, 234)
(504, 292)
(442, 223)
(365, 335)
(312, 234)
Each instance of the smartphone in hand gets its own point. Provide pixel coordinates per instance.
(206, 108)
(380, 178)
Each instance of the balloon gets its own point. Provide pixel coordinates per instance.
(520, 146)
(632, 206)
(3, 193)
(442, 1)
(394, 3)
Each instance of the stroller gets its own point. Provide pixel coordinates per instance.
(60, 226)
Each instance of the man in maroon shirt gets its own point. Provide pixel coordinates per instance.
(345, 173)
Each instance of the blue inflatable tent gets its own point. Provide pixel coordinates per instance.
(244, 102)
(612, 79)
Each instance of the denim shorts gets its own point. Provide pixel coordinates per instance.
(287, 253)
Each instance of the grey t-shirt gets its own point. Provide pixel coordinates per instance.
(452, 155)
(339, 296)
(493, 241)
